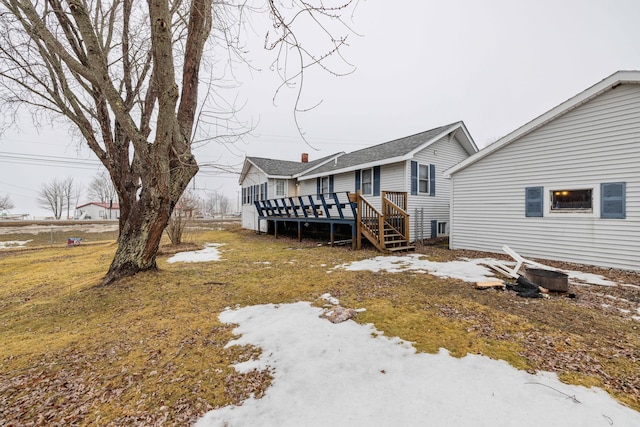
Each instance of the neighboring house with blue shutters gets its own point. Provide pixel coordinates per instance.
(565, 186)
(411, 165)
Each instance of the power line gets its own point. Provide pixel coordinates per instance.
(56, 161)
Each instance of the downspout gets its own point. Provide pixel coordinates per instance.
(451, 210)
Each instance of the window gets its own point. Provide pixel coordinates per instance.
(572, 200)
(280, 184)
(367, 182)
(324, 185)
(442, 229)
(423, 179)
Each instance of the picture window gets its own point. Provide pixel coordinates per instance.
(572, 200)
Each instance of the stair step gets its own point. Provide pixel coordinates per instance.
(393, 235)
(401, 248)
(394, 242)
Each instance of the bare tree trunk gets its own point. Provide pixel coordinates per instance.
(113, 70)
(138, 242)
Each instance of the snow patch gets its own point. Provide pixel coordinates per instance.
(209, 253)
(469, 270)
(350, 374)
(14, 243)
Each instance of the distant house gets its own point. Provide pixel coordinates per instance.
(404, 173)
(97, 210)
(565, 186)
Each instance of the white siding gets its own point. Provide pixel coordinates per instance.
(249, 214)
(444, 154)
(595, 143)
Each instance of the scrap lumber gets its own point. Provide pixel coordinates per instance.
(489, 285)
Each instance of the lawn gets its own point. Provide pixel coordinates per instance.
(151, 350)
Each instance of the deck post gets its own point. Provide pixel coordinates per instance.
(275, 228)
(354, 227)
(359, 222)
(299, 231)
(331, 232)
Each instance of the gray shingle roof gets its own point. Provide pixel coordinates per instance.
(387, 150)
(285, 167)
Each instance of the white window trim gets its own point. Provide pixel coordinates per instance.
(362, 182)
(323, 180)
(428, 166)
(284, 188)
(445, 224)
(594, 212)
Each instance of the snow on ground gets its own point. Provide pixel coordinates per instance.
(13, 243)
(209, 253)
(57, 228)
(348, 374)
(469, 270)
(580, 278)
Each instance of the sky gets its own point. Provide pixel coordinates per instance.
(352, 374)
(495, 65)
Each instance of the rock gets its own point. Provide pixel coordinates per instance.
(338, 314)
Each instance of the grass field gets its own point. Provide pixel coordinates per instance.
(150, 350)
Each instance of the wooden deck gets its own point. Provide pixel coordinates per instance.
(388, 230)
(331, 209)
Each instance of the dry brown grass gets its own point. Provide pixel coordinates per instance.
(150, 350)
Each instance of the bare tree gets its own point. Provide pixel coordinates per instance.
(224, 204)
(69, 194)
(101, 189)
(127, 74)
(211, 203)
(5, 203)
(52, 197)
(185, 210)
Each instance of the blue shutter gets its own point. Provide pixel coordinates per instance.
(318, 187)
(244, 196)
(266, 190)
(414, 177)
(533, 201)
(376, 181)
(330, 183)
(432, 180)
(434, 228)
(613, 200)
(357, 181)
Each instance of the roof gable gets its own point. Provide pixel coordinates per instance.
(614, 80)
(282, 168)
(100, 205)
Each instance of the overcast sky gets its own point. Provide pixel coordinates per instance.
(495, 65)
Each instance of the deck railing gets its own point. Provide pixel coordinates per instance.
(330, 206)
(370, 224)
(394, 209)
(387, 230)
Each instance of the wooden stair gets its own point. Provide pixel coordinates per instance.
(388, 230)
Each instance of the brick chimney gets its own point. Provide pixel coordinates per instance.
(305, 158)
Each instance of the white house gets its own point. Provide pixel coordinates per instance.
(565, 186)
(97, 210)
(411, 165)
(262, 179)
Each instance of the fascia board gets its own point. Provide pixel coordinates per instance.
(356, 167)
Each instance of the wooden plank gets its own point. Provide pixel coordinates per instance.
(489, 285)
